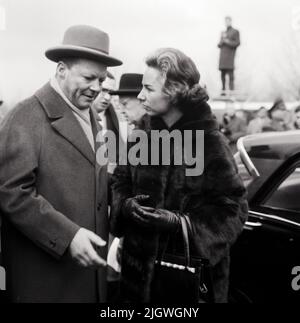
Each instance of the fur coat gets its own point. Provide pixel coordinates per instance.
(214, 201)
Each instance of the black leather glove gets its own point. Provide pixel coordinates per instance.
(159, 219)
(133, 205)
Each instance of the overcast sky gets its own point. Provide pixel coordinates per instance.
(137, 27)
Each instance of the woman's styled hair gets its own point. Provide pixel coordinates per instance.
(181, 76)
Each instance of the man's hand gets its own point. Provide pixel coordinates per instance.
(82, 250)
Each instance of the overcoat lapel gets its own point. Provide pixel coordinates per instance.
(95, 121)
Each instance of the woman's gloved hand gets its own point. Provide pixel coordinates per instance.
(133, 205)
(159, 219)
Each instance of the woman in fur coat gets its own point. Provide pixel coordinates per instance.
(148, 200)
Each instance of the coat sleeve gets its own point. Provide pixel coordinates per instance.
(234, 41)
(220, 209)
(20, 202)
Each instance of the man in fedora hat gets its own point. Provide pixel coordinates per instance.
(129, 88)
(52, 192)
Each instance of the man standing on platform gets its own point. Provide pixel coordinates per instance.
(230, 41)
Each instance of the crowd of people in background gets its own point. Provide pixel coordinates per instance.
(235, 123)
(238, 123)
(118, 106)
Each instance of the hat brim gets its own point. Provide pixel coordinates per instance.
(126, 92)
(55, 54)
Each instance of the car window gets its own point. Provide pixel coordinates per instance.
(287, 195)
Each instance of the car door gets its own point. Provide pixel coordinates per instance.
(268, 250)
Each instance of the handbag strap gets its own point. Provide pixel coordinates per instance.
(185, 227)
(188, 222)
(186, 244)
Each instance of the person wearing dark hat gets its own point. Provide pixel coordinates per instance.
(132, 110)
(280, 117)
(53, 194)
(129, 88)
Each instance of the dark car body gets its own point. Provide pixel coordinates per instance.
(266, 258)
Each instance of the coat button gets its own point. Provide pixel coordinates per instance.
(99, 206)
(52, 244)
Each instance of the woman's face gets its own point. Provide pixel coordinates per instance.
(155, 102)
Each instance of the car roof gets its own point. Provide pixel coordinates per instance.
(268, 151)
(273, 145)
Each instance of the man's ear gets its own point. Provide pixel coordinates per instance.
(61, 69)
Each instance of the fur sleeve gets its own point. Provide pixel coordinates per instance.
(219, 210)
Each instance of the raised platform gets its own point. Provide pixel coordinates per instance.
(230, 97)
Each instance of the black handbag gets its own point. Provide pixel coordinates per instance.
(181, 279)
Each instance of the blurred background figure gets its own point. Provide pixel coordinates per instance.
(233, 127)
(260, 123)
(123, 120)
(103, 105)
(130, 87)
(108, 119)
(230, 41)
(297, 118)
(281, 118)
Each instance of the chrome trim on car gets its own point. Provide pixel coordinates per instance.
(250, 226)
(246, 159)
(274, 217)
(253, 224)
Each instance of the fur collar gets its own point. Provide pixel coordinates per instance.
(196, 117)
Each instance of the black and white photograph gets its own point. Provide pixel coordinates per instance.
(150, 154)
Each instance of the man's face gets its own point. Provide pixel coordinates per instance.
(81, 81)
(104, 98)
(228, 22)
(278, 114)
(262, 113)
(132, 108)
(230, 110)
